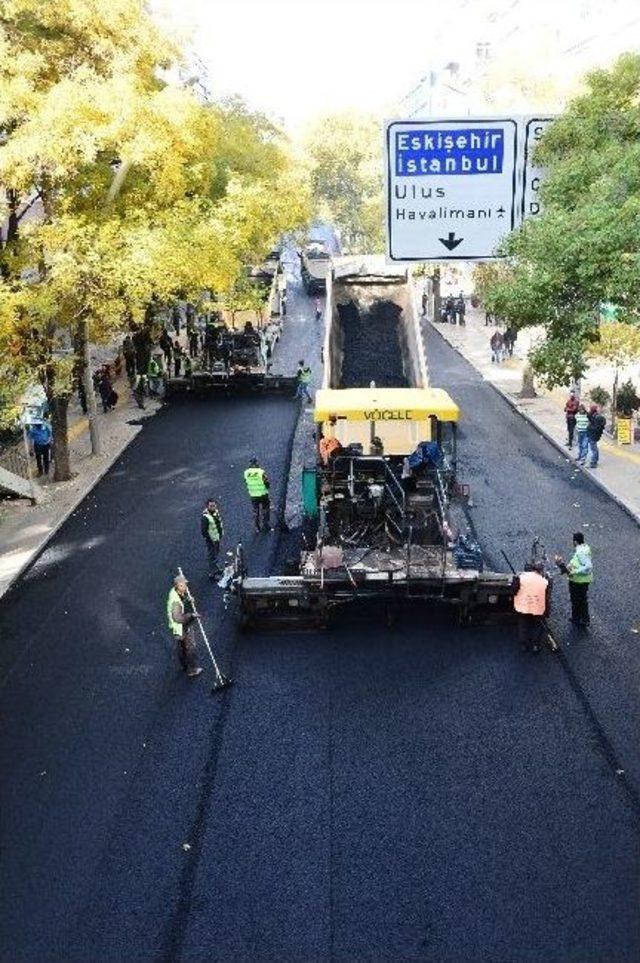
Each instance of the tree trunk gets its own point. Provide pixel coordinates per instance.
(13, 201)
(59, 405)
(437, 296)
(614, 405)
(528, 388)
(84, 372)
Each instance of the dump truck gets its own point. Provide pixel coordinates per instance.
(381, 497)
(315, 263)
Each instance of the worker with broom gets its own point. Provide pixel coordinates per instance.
(181, 617)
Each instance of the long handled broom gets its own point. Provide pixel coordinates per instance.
(220, 681)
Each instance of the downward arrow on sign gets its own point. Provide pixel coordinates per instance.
(451, 241)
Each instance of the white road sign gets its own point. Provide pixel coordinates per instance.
(451, 188)
(532, 176)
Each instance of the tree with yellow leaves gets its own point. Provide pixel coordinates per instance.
(144, 191)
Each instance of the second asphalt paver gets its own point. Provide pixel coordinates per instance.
(423, 792)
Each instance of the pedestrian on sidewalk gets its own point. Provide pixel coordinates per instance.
(570, 411)
(41, 437)
(212, 531)
(142, 344)
(210, 345)
(303, 375)
(129, 353)
(180, 616)
(177, 357)
(257, 482)
(176, 319)
(167, 348)
(225, 353)
(509, 338)
(579, 569)
(108, 396)
(425, 302)
(139, 390)
(531, 601)
(318, 305)
(596, 427)
(496, 342)
(194, 342)
(488, 318)
(460, 309)
(450, 308)
(582, 423)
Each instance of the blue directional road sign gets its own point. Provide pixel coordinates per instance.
(451, 188)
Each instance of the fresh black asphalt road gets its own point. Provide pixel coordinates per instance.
(423, 792)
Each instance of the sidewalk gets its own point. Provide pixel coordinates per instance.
(25, 530)
(618, 472)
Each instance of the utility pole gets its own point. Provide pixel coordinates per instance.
(87, 381)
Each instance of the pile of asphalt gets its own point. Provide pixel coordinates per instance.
(372, 345)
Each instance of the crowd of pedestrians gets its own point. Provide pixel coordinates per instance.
(502, 344)
(453, 311)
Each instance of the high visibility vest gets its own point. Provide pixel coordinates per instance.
(214, 523)
(326, 447)
(580, 566)
(582, 422)
(531, 597)
(154, 368)
(174, 596)
(254, 480)
(305, 376)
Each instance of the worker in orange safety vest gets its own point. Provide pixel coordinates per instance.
(531, 601)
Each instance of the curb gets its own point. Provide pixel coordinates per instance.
(38, 551)
(541, 430)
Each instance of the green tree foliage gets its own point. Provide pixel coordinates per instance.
(584, 249)
(344, 152)
(627, 399)
(618, 345)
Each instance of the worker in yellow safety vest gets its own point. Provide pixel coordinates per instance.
(579, 569)
(255, 478)
(531, 600)
(180, 616)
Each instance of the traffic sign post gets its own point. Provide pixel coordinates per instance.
(451, 188)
